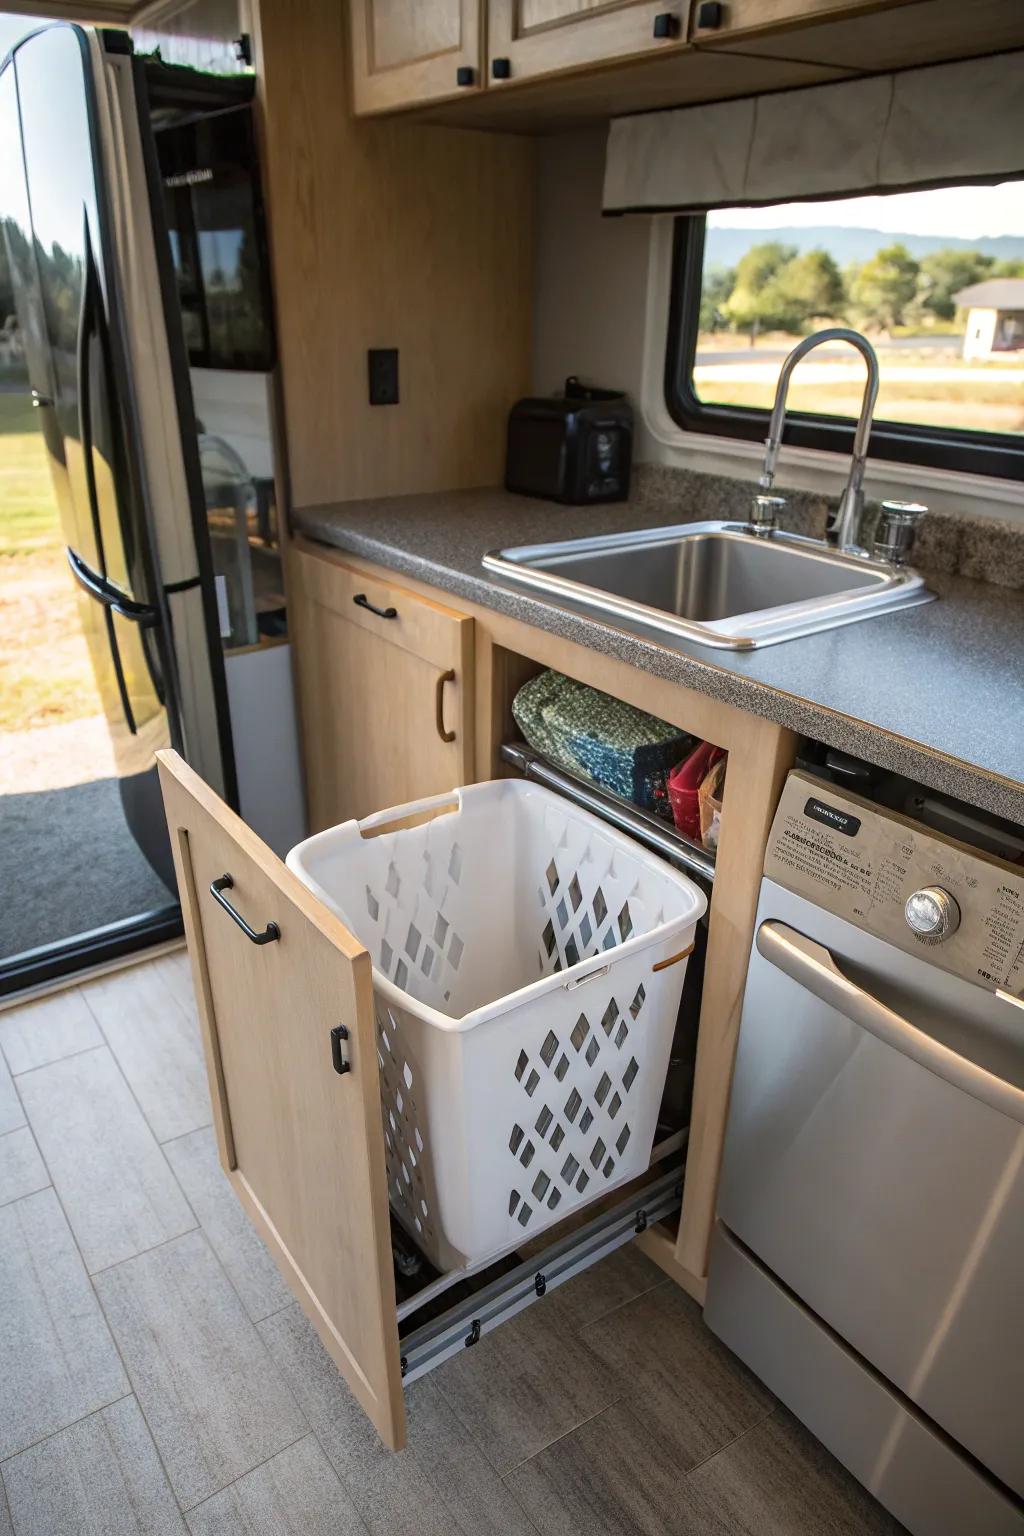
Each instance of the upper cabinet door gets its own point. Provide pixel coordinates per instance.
(405, 52)
(728, 19)
(531, 38)
(296, 1102)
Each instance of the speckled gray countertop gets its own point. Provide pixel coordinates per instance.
(934, 692)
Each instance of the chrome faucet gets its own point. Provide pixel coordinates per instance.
(843, 527)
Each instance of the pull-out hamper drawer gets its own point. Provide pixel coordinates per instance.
(286, 1003)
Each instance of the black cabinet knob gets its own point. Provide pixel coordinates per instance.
(465, 75)
(501, 69)
(710, 14)
(666, 25)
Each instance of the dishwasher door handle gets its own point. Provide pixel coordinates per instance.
(812, 967)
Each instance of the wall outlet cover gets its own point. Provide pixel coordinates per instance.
(382, 369)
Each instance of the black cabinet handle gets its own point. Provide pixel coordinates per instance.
(362, 601)
(501, 69)
(666, 25)
(338, 1034)
(465, 75)
(225, 883)
(710, 14)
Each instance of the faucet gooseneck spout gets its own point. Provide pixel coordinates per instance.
(843, 527)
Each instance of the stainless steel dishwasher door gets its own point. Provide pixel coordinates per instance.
(875, 1163)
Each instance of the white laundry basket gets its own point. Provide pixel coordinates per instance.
(523, 1023)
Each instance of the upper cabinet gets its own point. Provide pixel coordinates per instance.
(535, 66)
(713, 19)
(530, 38)
(405, 52)
(863, 36)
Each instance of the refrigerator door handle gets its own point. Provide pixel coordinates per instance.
(112, 597)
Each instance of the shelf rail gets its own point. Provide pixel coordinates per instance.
(470, 1319)
(649, 830)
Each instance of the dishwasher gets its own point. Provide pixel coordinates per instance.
(868, 1255)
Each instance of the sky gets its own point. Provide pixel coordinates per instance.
(970, 213)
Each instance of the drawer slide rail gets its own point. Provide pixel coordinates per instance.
(464, 1324)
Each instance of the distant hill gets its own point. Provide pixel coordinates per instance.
(724, 247)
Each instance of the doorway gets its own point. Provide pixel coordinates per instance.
(77, 886)
(68, 862)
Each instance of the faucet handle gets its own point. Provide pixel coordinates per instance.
(765, 512)
(897, 527)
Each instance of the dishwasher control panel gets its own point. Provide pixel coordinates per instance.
(926, 894)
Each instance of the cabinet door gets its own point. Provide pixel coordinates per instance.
(300, 1142)
(385, 683)
(531, 38)
(409, 51)
(752, 18)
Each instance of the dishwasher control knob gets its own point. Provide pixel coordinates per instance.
(933, 914)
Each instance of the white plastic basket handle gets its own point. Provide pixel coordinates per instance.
(409, 815)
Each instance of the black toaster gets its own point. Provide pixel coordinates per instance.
(574, 448)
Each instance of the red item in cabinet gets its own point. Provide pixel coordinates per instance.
(684, 784)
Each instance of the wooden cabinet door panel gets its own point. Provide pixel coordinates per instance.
(369, 688)
(752, 18)
(409, 51)
(545, 37)
(301, 1144)
(866, 36)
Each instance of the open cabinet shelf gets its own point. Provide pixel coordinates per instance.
(651, 831)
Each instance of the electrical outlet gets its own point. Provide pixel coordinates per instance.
(382, 368)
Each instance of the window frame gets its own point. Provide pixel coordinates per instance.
(949, 448)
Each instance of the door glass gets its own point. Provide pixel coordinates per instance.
(65, 219)
(217, 241)
(73, 822)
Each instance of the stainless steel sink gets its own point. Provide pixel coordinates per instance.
(717, 583)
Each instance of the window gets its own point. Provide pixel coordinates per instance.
(215, 223)
(934, 278)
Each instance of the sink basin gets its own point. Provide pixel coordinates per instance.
(716, 583)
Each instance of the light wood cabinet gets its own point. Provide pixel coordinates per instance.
(588, 60)
(408, 53)
(860, 35)
(405, 52)
(300, 1141)
(714, 20)
(527, 39)
(285, 991)
(385, 690)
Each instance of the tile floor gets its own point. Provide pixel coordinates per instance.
(157, 1380)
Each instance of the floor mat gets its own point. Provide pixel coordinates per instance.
(68, 863)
